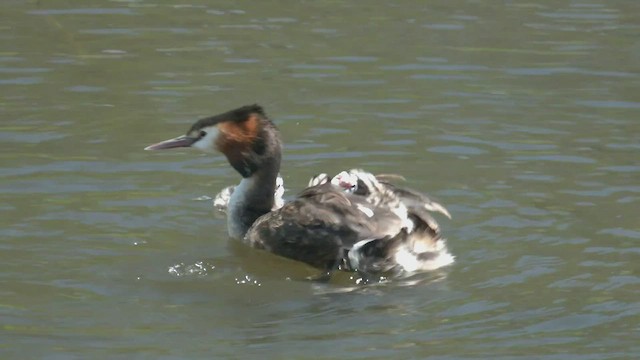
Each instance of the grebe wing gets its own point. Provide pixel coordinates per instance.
(415, 199)
(320, 226)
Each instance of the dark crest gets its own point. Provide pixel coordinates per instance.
(236, 115)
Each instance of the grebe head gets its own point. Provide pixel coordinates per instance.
(346, 180)
(251, 143)
(244, 135)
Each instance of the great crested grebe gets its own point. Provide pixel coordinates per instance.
(353, 222)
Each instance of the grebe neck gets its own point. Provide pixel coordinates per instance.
(252, 198)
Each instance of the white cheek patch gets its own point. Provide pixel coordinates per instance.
(347, 181)
(208, 142)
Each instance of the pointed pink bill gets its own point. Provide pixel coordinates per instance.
(180, 141)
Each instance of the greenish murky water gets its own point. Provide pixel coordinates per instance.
(523, 118)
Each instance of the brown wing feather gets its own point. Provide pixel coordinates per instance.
(415, 199)
(319, 226)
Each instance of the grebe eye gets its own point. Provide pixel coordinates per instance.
(203, 133)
